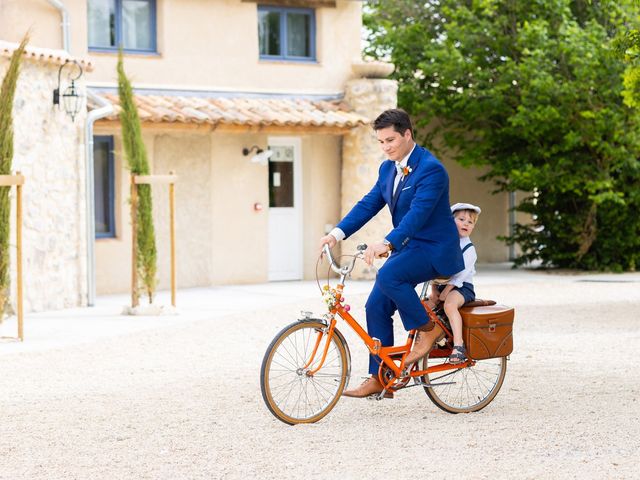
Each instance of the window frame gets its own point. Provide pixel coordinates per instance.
(284, 11)
(119, 27)
(109, 140)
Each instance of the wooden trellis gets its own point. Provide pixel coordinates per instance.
(152, 180)
(18, 181)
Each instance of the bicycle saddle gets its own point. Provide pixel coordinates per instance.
(478, 302)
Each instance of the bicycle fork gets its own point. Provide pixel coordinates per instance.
(321, 334)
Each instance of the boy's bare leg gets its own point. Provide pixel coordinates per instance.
(454, 301)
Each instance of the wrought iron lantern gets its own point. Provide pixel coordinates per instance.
(71, 98)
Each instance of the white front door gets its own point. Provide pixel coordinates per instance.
(285, 209)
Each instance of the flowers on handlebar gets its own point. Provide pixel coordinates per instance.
(331, 297)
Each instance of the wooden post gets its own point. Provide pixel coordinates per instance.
(172, 228)
(135, 297)
(18, 181)
(19, 255)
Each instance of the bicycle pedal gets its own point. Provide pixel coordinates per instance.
(380, 396)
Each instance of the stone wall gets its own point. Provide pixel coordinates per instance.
(49, 151)
(361, 158)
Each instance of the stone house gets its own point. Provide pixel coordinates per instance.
(48, 151)
(216, 82)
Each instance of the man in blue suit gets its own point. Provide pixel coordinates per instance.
(423, 243)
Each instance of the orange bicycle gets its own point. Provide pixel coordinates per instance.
(308, 364)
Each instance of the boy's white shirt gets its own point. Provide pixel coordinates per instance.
(470, 256)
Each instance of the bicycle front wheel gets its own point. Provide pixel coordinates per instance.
(289, 388)
(466, 389)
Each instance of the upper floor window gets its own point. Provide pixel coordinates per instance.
(287, 33)
(130, 23)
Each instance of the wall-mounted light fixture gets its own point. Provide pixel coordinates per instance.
(261, 156)
(71, 98)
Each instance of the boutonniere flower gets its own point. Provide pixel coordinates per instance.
(406, 171)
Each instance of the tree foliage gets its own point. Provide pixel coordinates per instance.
(7, 94)
(627, 46)
(531, 90)
(136, 156)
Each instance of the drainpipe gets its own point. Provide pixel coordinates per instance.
(65, 23)
(105, 109)
(512, 224)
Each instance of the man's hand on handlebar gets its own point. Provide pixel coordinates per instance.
(374, 251)
(327, 240)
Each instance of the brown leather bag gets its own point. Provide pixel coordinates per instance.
(487, 331)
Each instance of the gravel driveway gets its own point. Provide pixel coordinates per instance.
(183, 402)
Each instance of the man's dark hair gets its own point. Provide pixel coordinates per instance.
(396, 118)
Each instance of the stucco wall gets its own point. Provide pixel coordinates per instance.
(465, 187)
(203, 44)
(189, 157)
(38, 17)
(321, 184)
(239, 233)
(48, 150)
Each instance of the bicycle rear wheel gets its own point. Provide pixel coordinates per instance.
(290, 391)
(466, 389)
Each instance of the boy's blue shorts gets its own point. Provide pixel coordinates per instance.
(466, 291)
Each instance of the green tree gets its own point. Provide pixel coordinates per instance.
(532, 91)
(138, 164)
(627, 46)
(7, 94)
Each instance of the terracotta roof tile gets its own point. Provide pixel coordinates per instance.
(239, 110)
(43, 55)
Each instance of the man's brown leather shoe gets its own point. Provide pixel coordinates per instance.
(371, 386)
(424, 343)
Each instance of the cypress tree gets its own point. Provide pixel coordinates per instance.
(136, 156)
(7, 93)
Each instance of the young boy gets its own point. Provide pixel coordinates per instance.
(459, 289)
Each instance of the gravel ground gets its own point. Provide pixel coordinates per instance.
(184, 402)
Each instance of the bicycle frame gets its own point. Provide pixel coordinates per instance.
(335, 301)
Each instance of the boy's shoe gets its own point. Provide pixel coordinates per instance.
(459, 357)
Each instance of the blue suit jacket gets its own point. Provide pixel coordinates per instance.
(420, 211)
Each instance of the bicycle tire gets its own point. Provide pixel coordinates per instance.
(290, 394)
(473, 388)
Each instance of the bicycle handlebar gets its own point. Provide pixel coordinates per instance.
(344, 269)
(334, 266)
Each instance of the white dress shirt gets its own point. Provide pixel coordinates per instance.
(399, 166)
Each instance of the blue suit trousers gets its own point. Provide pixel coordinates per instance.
(395, 285)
